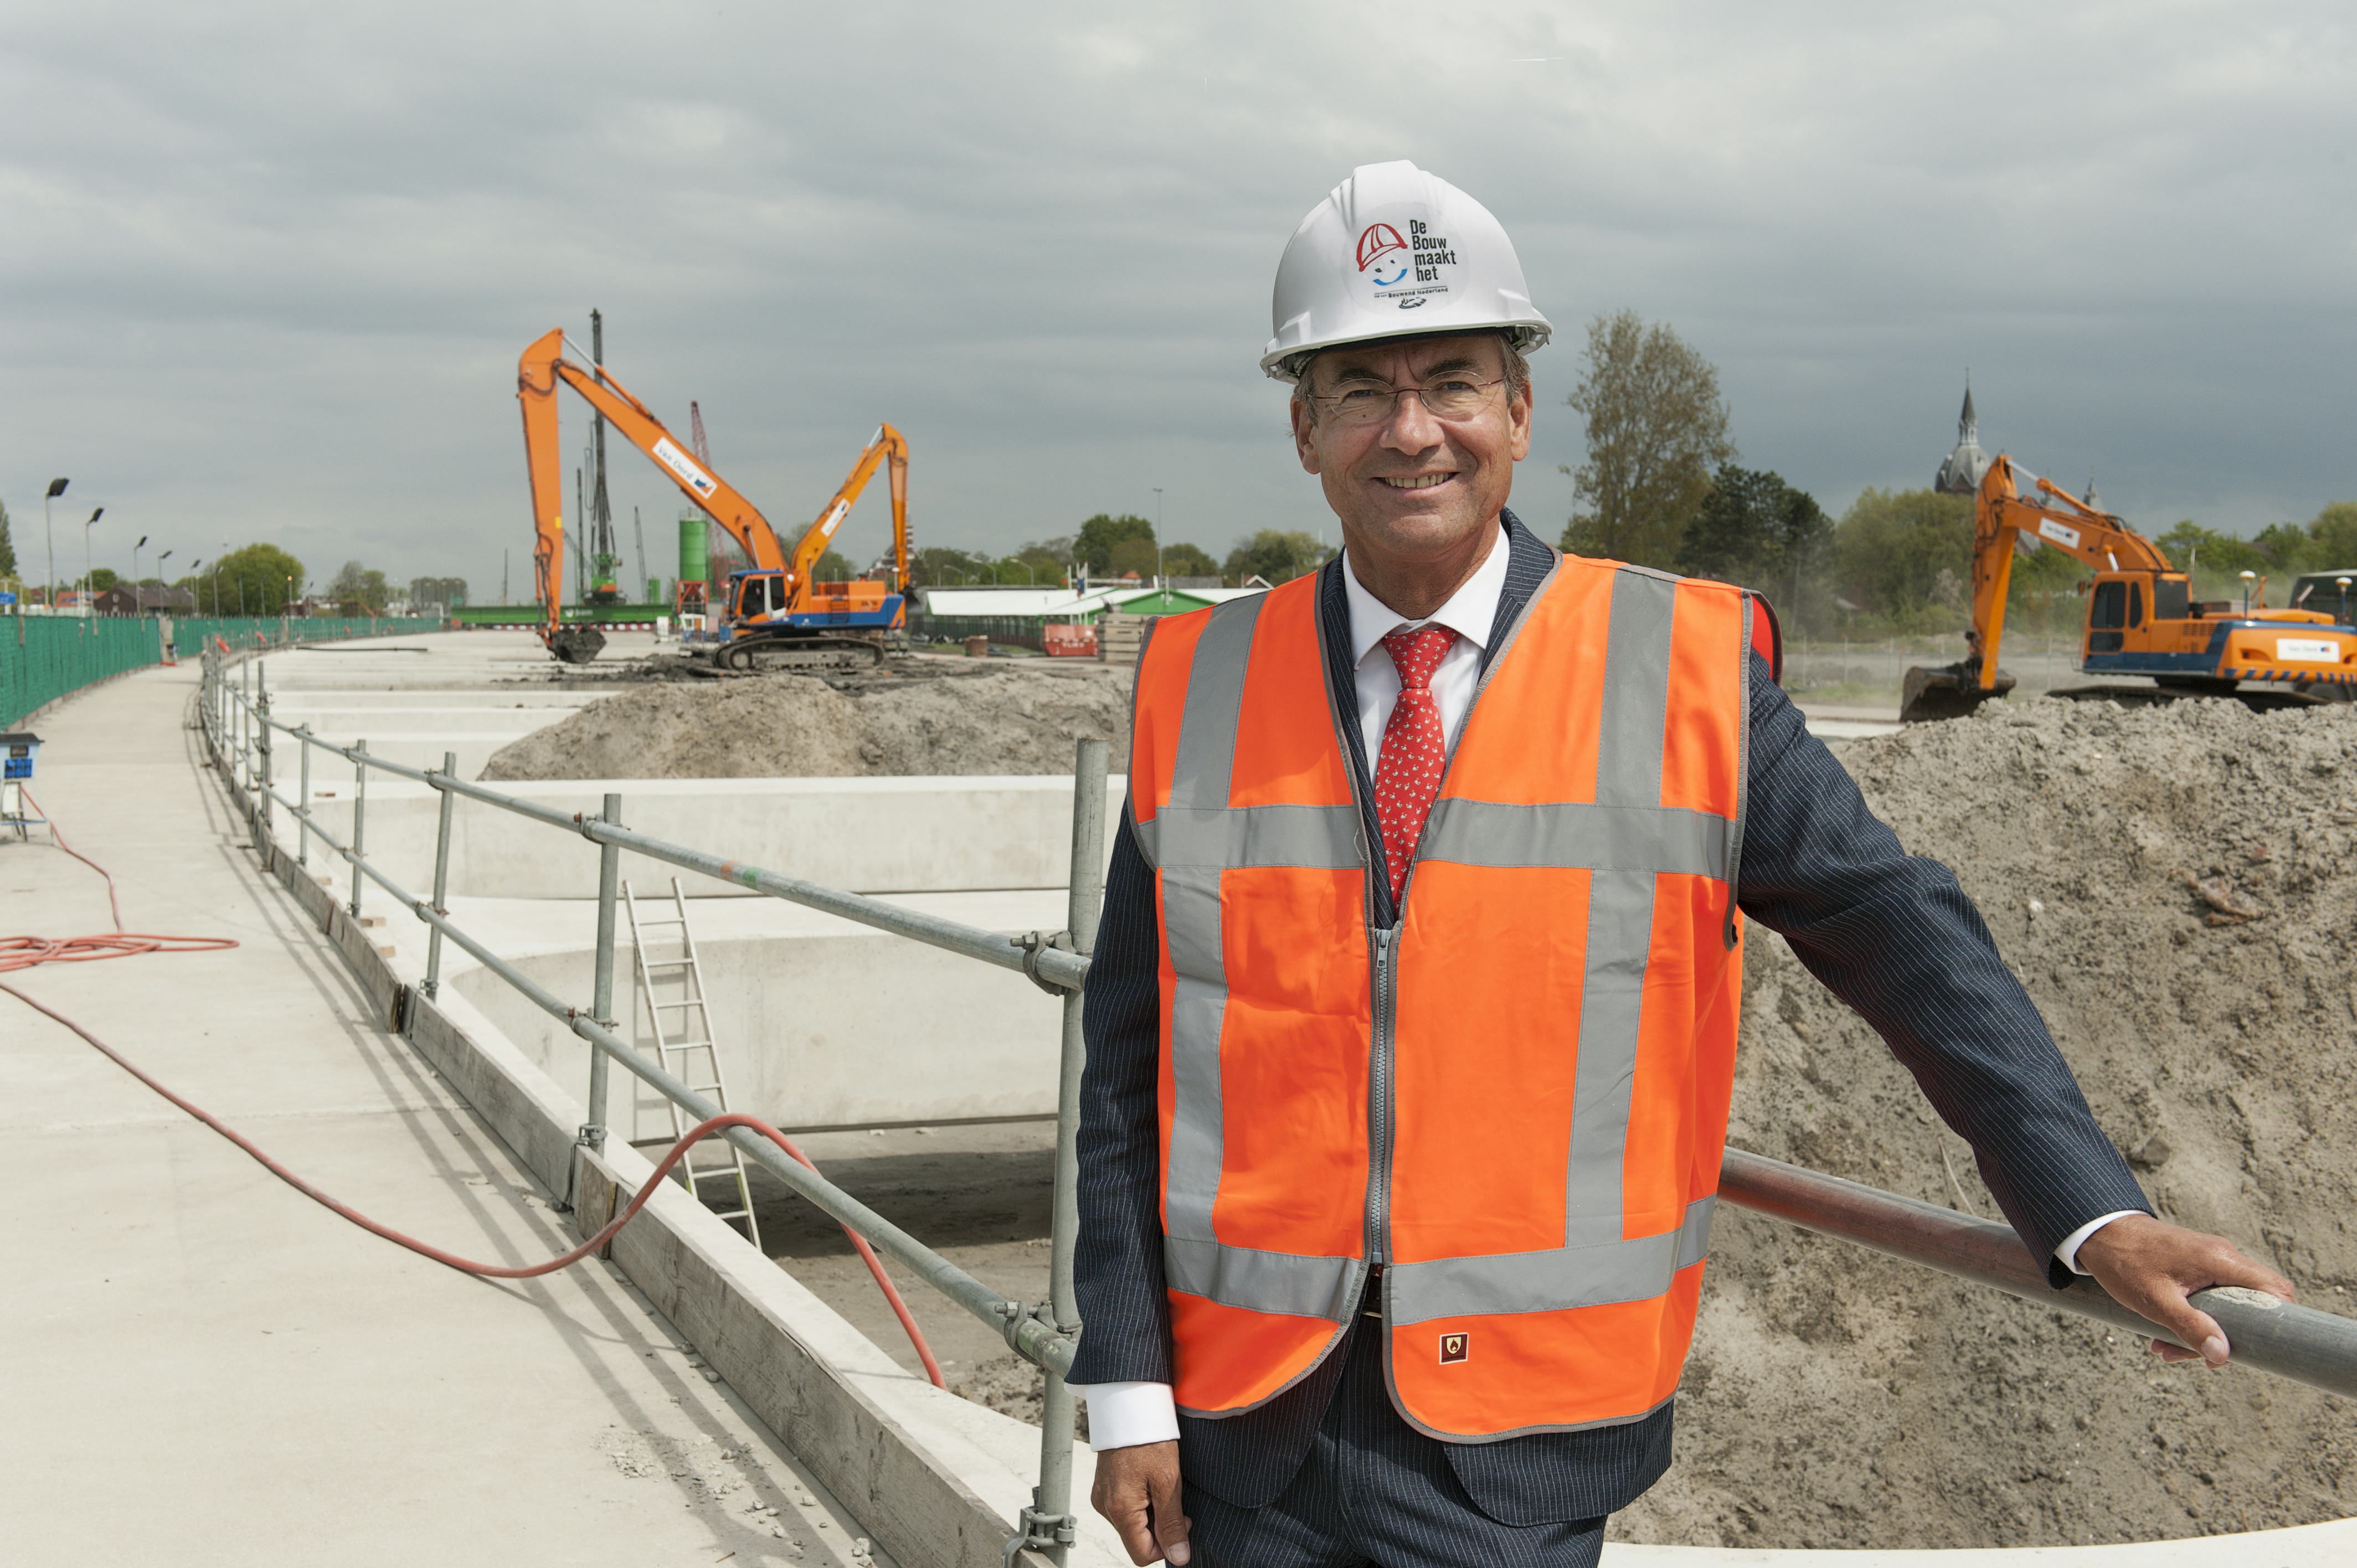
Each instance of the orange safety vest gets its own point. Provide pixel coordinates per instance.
(1515, 1100)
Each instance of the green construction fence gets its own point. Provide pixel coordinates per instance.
(42, 658)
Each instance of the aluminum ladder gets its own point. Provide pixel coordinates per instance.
(685, 1048)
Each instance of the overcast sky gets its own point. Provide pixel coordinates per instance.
(268, 267)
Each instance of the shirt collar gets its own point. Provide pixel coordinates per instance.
(1470, 611)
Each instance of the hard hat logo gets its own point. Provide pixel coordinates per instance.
(1378, 242)
(1410, 272)
(1392, 239)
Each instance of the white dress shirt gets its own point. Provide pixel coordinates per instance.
(1121, 1416)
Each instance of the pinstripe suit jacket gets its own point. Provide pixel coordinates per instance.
(1892, 936)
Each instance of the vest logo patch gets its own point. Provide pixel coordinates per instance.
(1454, 1348)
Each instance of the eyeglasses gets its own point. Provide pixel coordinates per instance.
(1450, 397)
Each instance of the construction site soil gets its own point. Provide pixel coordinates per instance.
(2176, 887)
(922, 714)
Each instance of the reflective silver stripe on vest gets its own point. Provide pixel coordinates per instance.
(1557, 1280)
(1326, 837)
(1576, 835)
(1255, 1281)
(1201, 766)
(1636, 706)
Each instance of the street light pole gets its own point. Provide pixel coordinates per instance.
(137, 546)
(1159, 581)
(49, 543)
(167, 582)
(85, 558)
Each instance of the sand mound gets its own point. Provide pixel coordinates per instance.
(1836, 1398)
(1839, 1399)
(930, 717)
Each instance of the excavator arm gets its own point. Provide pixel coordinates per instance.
(2015, 510)
(2139, 620)
(887, 446)
(2007, 509)
(538, 374)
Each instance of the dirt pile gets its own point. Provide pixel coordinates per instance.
(928, 717)
(1839, 1399)
(1836, 1399)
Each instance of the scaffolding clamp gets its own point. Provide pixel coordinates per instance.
(1039, 1532)
(1033, 944)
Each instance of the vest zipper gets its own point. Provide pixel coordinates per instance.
(1379, 1101)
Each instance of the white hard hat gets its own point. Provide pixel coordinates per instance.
(1395, 252)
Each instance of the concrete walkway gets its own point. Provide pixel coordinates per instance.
(204, 1365)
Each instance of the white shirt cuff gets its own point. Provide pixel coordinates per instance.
(2068, 1252)
(1122, 1415)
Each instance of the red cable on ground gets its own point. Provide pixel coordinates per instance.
(28, 952)
(25, 952)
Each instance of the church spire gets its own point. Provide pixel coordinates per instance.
(1961, 475)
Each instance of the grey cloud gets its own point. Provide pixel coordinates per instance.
(269, 265)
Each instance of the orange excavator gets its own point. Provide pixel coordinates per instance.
(774, 615)
(2140, 619)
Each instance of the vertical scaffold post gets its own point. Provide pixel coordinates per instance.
(609, 878)
(303, 817)
(442, 880)
(1054, 1498)
(261, 744)
(243, 771)
(360, 816)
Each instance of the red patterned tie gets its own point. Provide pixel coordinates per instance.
(1415, 750)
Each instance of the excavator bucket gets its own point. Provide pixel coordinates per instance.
(577, 644)
(1946, 691)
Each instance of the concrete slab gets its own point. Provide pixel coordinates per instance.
(822, 1023)
(1834, 723)
(209, 1369)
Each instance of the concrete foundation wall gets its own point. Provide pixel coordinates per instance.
(867, 835)
(938, 1479)
(852, 1030)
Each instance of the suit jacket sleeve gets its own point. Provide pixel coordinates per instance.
(1117, 1265)
(1895, 936)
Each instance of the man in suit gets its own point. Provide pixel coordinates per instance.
(1404, 1392)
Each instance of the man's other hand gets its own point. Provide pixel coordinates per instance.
(2152, 1266)
(1137, 1490)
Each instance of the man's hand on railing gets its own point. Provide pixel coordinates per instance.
(1137, 1489)
(2151, 1266)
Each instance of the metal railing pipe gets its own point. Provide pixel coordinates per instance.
(1063, 969)
(360, 818)
(2297, 1342)
(303, 813)
(1050, 1527)
(261, 743)
(1026, 1332)
(601, 998)
(243, 773)
(433, 986)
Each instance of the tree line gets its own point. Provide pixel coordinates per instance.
(1113, 546)
(1662, 486)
